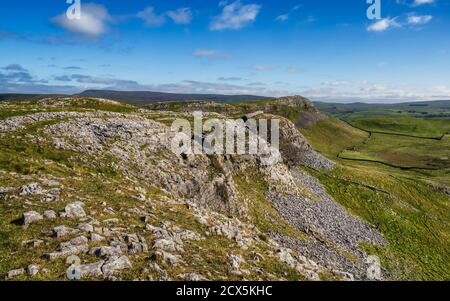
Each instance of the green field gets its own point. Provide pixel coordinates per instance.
(419, 119)
(401, 151)
(403, 124)
(407, 205)
(330, 136)
(395, 181)
(440, 108)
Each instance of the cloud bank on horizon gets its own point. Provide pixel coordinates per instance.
(324, 50)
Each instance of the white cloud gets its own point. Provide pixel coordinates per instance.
(295, 70)
(93, 21)
(263, 67)
(150, 18)
(339, 90)
(351, 91)
(229, 79)
(285, 17)
(209, 53)
(235, 16)
(181, 15)
(95, 80)
(383, 25)
(423, 2)
(419, 20)
(190, 86)
(334, 90)
(282, 18)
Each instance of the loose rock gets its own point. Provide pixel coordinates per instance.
(50, 214)
(29, 189)
(31, 217)
(91, 270)
(33, 269)
(74, 210)
(14, 273)
(192, 277)
(61, 231)
(116, 264)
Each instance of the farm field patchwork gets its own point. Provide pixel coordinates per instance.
(403, 124)
(403, 151)
(406, 205)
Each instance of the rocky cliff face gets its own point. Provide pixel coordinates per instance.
(297, 102)
(104, 185)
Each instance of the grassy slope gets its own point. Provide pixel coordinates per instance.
(403, 124)
(413, 216)
(403, 151)
(22, 162)
(405, 118)
(435, 108)
(331, 136)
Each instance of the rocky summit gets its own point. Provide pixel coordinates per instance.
(96, 179)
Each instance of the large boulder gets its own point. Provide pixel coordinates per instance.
(74, 210)
(116, 264)
(30, 217)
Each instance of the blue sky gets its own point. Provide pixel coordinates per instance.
(322, 49)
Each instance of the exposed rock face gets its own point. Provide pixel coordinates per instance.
(297, 102)
(296, 150)
(328, 225)
(183, 179)
(207, 106)
(285, 255)
(161, 208)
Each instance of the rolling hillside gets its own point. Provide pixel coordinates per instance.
(139, 97)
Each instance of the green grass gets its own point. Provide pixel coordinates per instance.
(330, 136)
(96, 182)
(21, 108)
(403, 151)
(413, 218)
(429, 109)
(403, 124)
(262, 213)
(413, 215)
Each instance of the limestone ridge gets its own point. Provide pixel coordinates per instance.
(297, 102)
(122, 199)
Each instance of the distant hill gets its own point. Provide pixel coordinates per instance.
(140, 97)
(145, 97)
(18, 96)
(438, 108)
